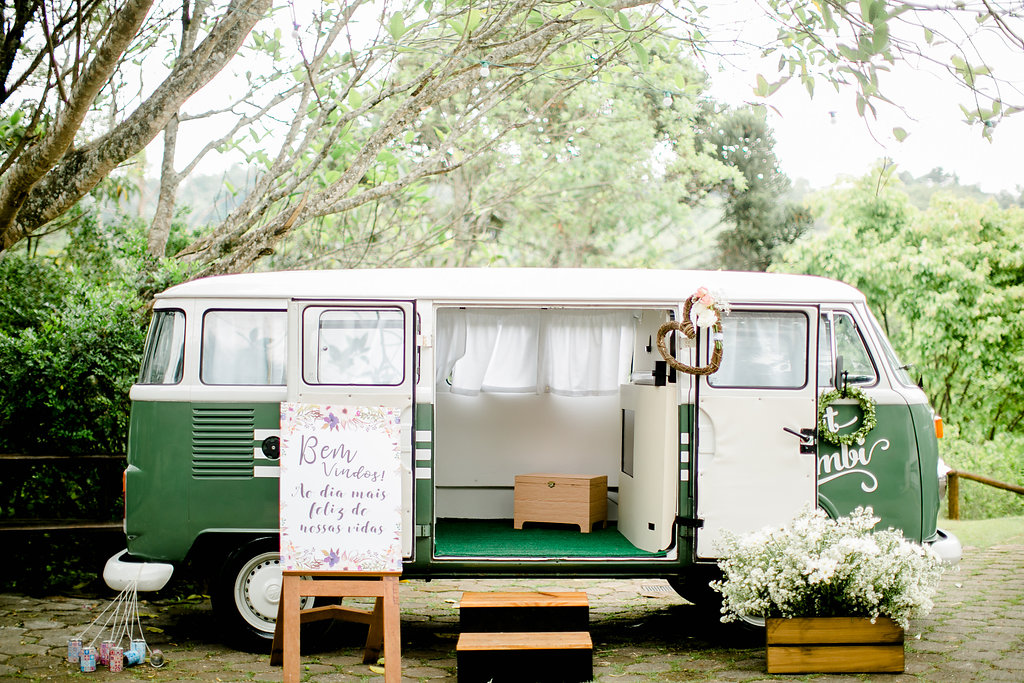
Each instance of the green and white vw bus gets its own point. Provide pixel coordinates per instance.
(506, 372)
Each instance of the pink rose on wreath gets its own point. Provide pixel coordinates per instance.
(703, 312)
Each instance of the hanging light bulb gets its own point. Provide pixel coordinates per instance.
(666, 101)
(485, 69)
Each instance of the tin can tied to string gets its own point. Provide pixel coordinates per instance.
(139, 646)
(118, 630)
(87, 660)
(104, 657)
(74, 650)
(115, 661)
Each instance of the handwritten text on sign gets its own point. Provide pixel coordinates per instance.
(341, 495)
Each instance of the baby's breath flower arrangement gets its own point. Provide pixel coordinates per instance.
(821, 567)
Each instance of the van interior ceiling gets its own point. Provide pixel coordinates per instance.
(544, 390)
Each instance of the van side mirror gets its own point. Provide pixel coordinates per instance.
(837, 380)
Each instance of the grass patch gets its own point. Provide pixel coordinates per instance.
(984, 533)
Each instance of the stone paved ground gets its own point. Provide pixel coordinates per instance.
(975, 633)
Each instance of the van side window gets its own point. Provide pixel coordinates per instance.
(359, 346)
(164, 357)
(848, 344)
(244, 347)
(764, 350)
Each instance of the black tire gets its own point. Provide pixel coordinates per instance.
(693, 586)
(245, 594)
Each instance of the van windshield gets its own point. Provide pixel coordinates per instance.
(165, 349)
(899, 368)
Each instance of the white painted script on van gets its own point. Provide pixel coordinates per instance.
(848, 460)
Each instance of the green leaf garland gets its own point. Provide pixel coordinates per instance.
(868, 421)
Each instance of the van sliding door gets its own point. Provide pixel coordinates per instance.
(754, 466)
(359, 353)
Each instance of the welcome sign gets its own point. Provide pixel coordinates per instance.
(341, 494)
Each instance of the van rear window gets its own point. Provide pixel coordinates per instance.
(164, 356)
(357, 346)
(244, 347)
(764, 349)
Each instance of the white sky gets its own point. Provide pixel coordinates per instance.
(813, 144)
(823, 139)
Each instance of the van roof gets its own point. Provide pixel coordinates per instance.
(517, 285)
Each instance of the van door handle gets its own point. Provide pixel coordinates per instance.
(806, 437)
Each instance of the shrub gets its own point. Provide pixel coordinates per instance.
(64, 381)
(30, 289)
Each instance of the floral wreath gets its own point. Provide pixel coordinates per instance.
(867, 408)
(707, 312)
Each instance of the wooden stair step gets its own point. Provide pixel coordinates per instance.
(525, 640)
(524, 611)
(475, 600)
(515, 657)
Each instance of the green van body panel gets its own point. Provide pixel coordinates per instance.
(883, 472)
(221, 494)
(423, 497)
(687, 507)
(928, 457)
(157, 445)
(216, 485)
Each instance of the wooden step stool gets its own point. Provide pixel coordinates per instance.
(520, 636)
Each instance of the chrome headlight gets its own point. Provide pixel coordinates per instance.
(943, 474)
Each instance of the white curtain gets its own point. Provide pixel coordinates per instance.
(571, 353)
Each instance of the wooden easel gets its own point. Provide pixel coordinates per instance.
(383, 620)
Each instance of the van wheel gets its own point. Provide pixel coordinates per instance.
(693, 586)
(246, 593)
(708, 602)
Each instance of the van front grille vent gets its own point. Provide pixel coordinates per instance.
(222, 442)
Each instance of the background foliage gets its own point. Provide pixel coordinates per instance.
(71, 333)
(948, 286)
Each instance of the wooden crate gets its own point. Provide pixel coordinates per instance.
(834, 645)
(579, 499)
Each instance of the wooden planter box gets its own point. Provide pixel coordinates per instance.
(834, 645)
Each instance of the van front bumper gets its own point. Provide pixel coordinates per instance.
(120, 573)
(947, 546)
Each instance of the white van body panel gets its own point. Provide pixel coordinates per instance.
(548, 286)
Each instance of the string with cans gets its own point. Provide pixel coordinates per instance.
(121, 640)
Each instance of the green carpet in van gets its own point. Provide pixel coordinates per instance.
(497, 538)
